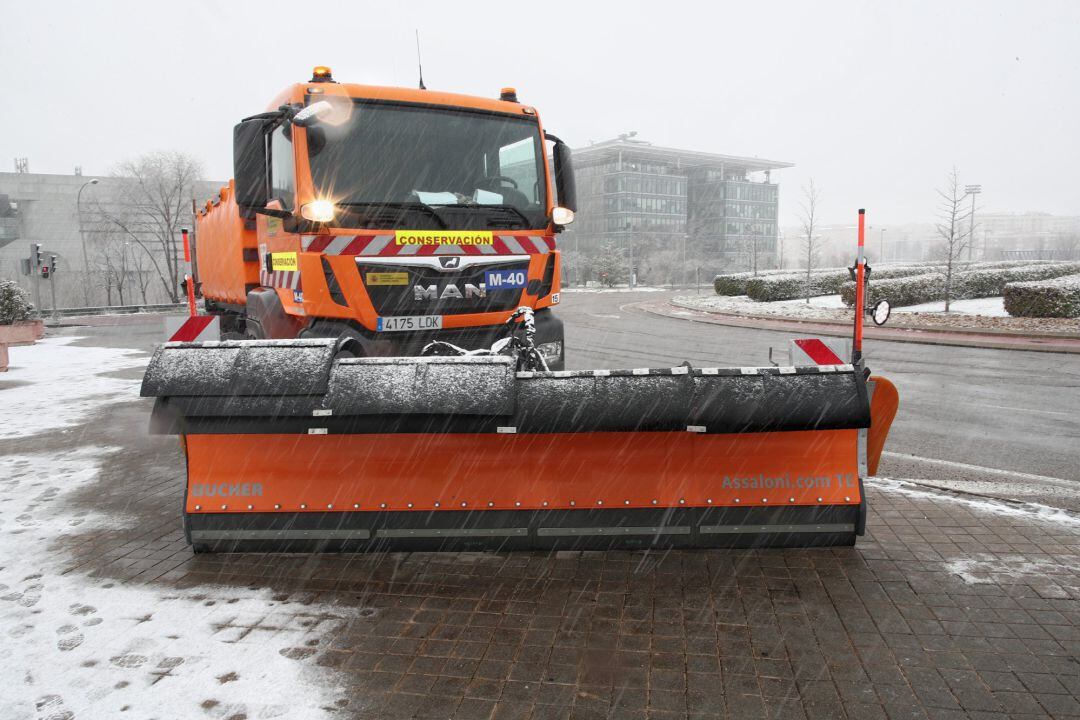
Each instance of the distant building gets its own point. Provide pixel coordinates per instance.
(62, 212)
(1026, 236)
(717, 211)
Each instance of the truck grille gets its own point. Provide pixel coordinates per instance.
(400, 299)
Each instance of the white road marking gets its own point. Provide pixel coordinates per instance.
(1044, 412)
(996, 471)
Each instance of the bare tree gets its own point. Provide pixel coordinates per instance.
(113, 269)
(808, 215)
(752, 246)
(953, 238)
(141, 271)
(153, 204)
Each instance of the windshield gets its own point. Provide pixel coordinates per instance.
(484, 168)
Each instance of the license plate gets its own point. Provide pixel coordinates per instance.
(405, 323)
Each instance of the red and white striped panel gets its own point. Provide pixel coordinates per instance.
(289, 279)
(815, 351)
(384, 246)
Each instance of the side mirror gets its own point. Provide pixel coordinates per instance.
(881, 311)
(564, 176)
(249, 164)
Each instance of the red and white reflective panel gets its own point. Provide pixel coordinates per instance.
(816, 351)
(199, 328)
(385, 246)
(289, 279)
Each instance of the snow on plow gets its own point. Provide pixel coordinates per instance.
(294, 445)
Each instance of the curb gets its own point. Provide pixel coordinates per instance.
(835, 328)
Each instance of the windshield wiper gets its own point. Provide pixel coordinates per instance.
(432, 212)
(504, 208)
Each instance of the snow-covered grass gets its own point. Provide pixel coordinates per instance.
(823, 306)
(75, 646)
(54, 384)
(989, 307)
(832, 302)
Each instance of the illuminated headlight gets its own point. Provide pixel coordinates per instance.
(562, 216)
(318, 211)
(551, 350)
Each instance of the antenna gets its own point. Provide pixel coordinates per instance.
(418, 63)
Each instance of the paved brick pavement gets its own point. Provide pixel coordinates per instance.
(947, 609)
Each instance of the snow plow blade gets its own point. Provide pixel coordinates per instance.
(290, 446)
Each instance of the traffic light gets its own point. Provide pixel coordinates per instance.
(38, 256)
(45, 272)
(52, 264)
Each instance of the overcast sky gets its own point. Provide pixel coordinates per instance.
(875, 101)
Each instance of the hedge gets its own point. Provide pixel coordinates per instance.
(1056, 298)
(825, 282)
(735, 283)
(14, 303)
(983, 282)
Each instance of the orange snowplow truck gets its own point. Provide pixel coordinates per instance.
(388, 215)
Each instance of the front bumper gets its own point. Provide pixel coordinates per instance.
(549, 338)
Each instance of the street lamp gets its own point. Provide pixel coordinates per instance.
(972, 190)
(82, 238)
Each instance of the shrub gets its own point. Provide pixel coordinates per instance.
(992, 281)
(735, 283)
(980, 282)
(1059, 297)
(825, 282)
(900, 291)
(14, 303)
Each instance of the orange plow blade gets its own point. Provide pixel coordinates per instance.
(291, 448)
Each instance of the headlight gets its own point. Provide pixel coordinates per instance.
(562, 216)
(318, 211)
(552, 350)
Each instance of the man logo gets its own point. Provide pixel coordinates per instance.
(450, 262)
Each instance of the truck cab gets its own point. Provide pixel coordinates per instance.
(391, 216)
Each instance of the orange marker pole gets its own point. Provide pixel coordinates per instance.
(190, 295)
(860, 290)
(189, 282)
(187, 245)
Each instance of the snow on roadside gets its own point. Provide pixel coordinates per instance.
(989, 307)
(1027, 511)
(54, 384)
(822, 307)
(616, 289)
(74, 646)
(94, 648)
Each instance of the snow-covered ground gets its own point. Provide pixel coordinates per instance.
(976, 314)
(55, 384)
(988, 307)
(80, 647)
(825, 306)
(617, 288)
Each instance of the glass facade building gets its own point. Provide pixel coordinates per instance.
(717, 211)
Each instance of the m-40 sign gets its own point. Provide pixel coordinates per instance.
(505, 279)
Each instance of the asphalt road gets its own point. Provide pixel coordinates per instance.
(1009, 415)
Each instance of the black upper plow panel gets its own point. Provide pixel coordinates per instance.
(290, 386)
